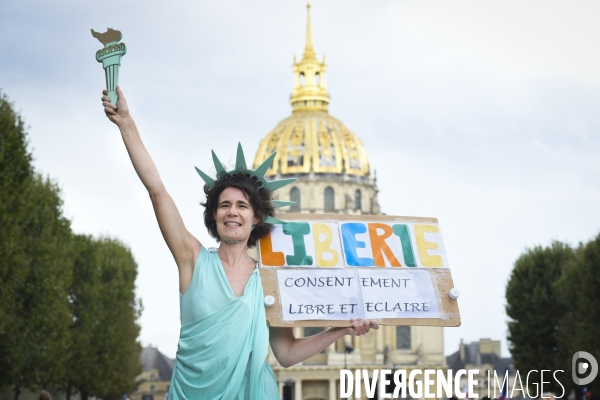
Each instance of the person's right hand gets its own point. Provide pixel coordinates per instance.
(361, 327)
(116, 113)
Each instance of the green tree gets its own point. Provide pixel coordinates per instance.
(86, 306)
(35, 266)
(535, 310)
(578, 288)
(120, 324)
(68, 312)
(105, 352)
(15, 175)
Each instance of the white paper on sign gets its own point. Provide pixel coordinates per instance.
(397, 293)
(318, 294)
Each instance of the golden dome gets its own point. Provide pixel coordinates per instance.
(311, 140)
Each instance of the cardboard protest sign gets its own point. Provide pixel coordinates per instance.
(325, 269)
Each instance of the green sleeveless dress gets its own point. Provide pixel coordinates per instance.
(224, 339)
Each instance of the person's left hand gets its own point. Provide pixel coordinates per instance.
(360, 327)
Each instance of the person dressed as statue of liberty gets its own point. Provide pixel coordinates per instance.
(224, 336)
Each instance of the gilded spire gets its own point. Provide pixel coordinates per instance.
(309, 51)
(310, 80)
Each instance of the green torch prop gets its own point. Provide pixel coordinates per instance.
(110, 57)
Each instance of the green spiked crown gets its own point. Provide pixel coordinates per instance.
(258, 173)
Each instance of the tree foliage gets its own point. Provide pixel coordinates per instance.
(68, 310)
(553, 305)
(15, 174)
(105, 313)
(35, 265)
(579, 289)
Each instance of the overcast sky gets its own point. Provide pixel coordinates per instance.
(483, 114)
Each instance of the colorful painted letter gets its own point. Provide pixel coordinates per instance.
(349, 232)
(324, 246)
(424, 246)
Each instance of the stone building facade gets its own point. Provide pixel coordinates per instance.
(155, 378)
(483, 356)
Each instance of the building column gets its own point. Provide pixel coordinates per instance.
(281, 385)
(298, 390)
(332, 390)
(355, 341)
(379, 342)
(330, 349)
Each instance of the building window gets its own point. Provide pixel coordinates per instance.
(152, 389)
(403, 337)
(357, 200)
(288, 389)
(317, 81)
(329, 203)
(302, 80)
(295, 197)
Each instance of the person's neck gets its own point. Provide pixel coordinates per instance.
(234, 253)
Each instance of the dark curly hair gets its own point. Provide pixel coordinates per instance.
(260, 199)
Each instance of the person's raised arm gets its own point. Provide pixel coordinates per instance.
(183, 245)
(290, 350)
